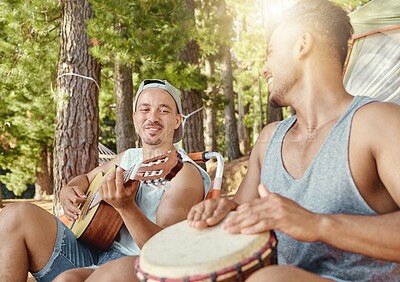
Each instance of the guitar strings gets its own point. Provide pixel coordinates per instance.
(126, 176)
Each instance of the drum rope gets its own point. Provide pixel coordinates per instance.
(239, 272)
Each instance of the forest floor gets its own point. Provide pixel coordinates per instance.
(45, 204)
(233, 174)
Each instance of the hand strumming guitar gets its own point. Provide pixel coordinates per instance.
(73, 195)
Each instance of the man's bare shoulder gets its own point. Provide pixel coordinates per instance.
(267, 132)
(261, 145)
(379, 116)
(188, 177)
(376, 125)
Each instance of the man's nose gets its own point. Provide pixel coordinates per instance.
(153, 115)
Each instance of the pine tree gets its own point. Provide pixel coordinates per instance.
(28, 44)
(77, 121)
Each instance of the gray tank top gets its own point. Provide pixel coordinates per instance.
(326, 187)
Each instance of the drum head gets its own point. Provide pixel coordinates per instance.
(182, 251)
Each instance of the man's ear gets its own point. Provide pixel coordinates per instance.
(306, 43)
(179, 120)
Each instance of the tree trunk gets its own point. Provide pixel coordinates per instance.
(211, 113)
(192, 100)
(193, 138)
(257, 127)
(77, 121)
(123, 90)
(243, 131)
(211, 130)
(44, 175)
(231, 133)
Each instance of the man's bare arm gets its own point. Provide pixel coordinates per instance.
(247, 190)
(73, 193)
(213, 211)
(187, 189)
(375, 236)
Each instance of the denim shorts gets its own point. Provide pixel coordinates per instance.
(69, 253)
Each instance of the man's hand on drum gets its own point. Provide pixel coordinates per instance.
(210, 212)
(274, 212)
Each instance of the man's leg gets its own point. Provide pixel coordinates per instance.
(122, 268)
(283, 273)
(76, 275)
(28, 235)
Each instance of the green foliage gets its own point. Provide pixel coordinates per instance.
(249, 51)
(350, 5)
(214, 27)
(28, 55)
(107, 109)
(146, 35)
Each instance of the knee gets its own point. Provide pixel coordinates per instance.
(123, 268)
(14, 215)
(77, 274)
(66, 276)
(272, 273)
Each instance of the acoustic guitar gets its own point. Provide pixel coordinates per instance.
(99, 223)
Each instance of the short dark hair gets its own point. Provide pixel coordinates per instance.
(329, 23)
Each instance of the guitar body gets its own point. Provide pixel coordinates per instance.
(103, 227)
(99, 223)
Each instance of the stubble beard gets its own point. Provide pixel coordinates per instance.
(278, 95)
(149, 140)
(152, 142)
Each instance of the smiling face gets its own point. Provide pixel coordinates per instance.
(282, 69)
(156, 117)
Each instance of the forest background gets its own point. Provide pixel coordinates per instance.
(69, 70)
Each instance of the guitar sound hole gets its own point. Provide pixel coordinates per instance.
(86, 205)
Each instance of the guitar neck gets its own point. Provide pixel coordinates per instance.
(132, 170)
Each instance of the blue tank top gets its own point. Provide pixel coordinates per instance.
(329, 169)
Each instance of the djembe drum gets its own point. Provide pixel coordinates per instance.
(182, 253)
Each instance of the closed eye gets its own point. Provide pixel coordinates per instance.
(144, 110)
(165, 110)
